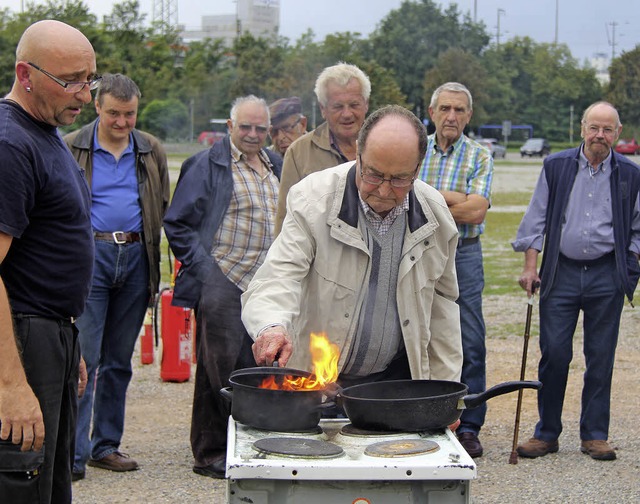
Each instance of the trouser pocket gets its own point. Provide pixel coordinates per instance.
(19, 473)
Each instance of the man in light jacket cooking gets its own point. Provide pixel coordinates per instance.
(367, 256)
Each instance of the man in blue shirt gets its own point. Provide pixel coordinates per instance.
(128, 176)
(586, 211)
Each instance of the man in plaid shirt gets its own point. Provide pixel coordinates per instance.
(462, 170)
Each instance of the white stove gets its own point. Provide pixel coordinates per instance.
(337, 464)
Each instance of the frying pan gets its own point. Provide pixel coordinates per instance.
(415, 405)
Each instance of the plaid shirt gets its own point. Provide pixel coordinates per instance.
(246, 232)
(383, 224)
(466, 167)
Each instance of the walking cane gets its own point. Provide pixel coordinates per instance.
(513, 459)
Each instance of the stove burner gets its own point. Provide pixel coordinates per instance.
(315, 430)
(401, 448)
(350, 430)
(297, 447)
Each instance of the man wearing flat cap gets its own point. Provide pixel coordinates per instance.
(287, 123)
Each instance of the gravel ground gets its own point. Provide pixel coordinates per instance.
(158, 419)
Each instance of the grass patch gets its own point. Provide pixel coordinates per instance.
(502, 266)
(510, 199)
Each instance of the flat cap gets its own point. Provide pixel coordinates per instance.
(283, 108)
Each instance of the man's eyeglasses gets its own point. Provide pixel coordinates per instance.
(286, 128)
(246, 128)
(70, 87)
(594, 130)
(372, 179)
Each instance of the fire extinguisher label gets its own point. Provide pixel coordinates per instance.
(185, 348)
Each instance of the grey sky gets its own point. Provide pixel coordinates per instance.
(582, 24)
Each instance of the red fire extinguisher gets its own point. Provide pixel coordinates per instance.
(146, 339)
(176, 340)
(176, 268)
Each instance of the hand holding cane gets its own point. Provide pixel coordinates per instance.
(513, 459)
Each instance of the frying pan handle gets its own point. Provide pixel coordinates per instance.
(227, 393)
(474, 400)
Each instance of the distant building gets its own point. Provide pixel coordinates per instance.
(600, 63)
(261, 18)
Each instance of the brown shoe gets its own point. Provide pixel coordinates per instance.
(598, 449)
(116, 461)
(537, 448)
(471, 444)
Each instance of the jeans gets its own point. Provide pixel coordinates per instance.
(108, 330)
(593, 290)
(50, 355)
(471, 283)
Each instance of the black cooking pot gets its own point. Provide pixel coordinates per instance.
(415, 405)
(274, 410)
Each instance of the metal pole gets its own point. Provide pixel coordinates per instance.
(571, 124)
(556, 37)
(475, 11)
(500, 11)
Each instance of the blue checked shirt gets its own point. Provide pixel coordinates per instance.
(466, 167)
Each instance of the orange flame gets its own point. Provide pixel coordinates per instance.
(324, 356)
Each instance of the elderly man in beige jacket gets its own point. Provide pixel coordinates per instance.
(366, 255)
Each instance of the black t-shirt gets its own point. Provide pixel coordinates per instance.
(45, 205)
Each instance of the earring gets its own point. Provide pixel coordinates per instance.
(28, 89)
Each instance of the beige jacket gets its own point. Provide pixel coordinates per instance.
(310, 153)
(313, 277)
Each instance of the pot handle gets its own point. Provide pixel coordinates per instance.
(326, 405)
(474, 400)
(227, 393)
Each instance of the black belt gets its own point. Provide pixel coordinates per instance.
(119, 237)
(588, 262)
(463, 242)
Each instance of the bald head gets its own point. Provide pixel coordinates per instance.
(50, 38)
(50, 56)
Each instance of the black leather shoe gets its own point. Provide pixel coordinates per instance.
(471, 443)
(77, 475)
(216, 470)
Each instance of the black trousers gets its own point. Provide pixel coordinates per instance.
(51, 354)
(222, 346)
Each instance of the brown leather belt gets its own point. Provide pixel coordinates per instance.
(119, 237)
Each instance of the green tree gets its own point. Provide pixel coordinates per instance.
(541, 83)
(410, 39)
(624, 87)
(457, 65)
(166, 119)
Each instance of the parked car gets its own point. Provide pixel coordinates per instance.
(628, 146)
(497, 150)
(217, 132)
(535, 147)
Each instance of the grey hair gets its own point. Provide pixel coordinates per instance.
(248, 99)
(586, 112)
(453, 87)
(119, 86)
(341, 74)
(398, 111)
